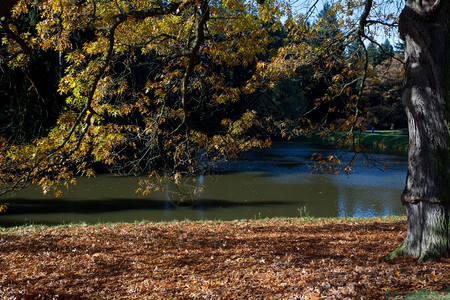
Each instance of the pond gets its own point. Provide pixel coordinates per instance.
(275, 182)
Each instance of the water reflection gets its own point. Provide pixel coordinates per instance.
(272, 182)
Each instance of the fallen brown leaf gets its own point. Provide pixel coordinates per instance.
(266, 259)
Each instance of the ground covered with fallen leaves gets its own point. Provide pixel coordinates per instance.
(255, 259)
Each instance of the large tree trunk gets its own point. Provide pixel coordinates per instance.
(424, 28)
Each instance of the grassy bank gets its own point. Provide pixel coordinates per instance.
(386, 141)
(304, 258)
(381, 141)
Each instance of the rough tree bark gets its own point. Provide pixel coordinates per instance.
(424, 27)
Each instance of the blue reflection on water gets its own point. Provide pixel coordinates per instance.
(288, 164)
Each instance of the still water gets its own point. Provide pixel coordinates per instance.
(273, 182)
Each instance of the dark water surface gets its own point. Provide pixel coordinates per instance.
(272, 182)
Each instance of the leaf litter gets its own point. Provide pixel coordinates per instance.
(255, 259)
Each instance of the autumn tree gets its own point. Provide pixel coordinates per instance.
(109, 114)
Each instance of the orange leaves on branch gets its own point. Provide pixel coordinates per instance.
(109, 46)
(229, 145)
(330, 164)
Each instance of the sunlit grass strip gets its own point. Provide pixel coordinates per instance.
(305, 219)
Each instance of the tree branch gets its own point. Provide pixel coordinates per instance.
(14, 36)
(192, 54)
(360, 35)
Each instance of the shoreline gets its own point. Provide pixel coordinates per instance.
(304, 219)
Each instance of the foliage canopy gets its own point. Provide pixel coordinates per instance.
(169, 87)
